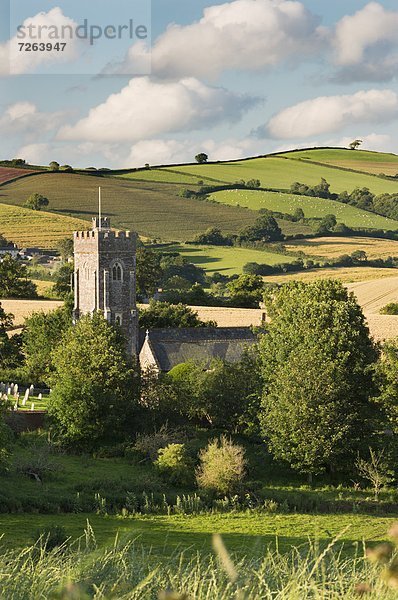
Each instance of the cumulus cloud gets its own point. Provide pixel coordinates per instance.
(365, 45)
(14, 62)
(244, 34)
(25, 118)
(146, 108)
(328, 114)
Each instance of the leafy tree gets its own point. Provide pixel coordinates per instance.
(265, 229)
(62, 287)
(93, 396)
(42, 334)
(36, 202)
(10, 355)
(355, 144)
(54, 166)
(318, 364)
(163, 314)
(247, 290)
(213, 236)
(226, 395)
(177, 265)
(201, 158)
(359, 256)
(222, 466)
(149, 272)
(390, 309)
(14, 281)
(65, 248)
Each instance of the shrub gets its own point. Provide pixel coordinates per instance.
(222, 466)
(390, 309)
(50, 537)
(38, 465)
(172, 462)
(149, 444)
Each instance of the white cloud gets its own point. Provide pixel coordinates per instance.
(244, 34)
(145, 109)
(328, 114)
(16, 62)
(26, 119)
(365, 45)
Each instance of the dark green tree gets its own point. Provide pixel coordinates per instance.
(10, 354)
(318, 362)
(93, 398)
(65, 248)
(14, 281)
(42, 334)
(62, 287)
(265, 229)
(163, 314)
(201, 157)
(246, 291)
(36, 202)
(149, 272)
(54, 166)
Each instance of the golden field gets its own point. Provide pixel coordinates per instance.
(332, 247)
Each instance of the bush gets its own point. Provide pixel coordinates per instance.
(38, 465)
(172, 462)
(50, 537)
(149, 444)
(390, 309)
(222, 466)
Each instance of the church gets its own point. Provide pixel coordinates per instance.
(105, 281)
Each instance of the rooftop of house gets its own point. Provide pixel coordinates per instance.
(171, 347)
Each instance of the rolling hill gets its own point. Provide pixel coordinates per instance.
(312, 207)
(149, 201)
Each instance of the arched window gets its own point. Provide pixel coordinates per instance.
(117, 272)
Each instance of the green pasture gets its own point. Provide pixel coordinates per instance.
(280, 172)
(360, 160)
(312, 207)
(245, 534)
(166, 175)
(227, 260)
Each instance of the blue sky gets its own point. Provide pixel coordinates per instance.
(231, 78)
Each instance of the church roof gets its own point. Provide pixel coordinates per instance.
(171, 347)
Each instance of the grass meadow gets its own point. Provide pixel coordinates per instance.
(227, 260)
(360, 160)
(279, 173)
(312, 207)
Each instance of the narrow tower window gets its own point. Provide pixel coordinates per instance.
(117, 273)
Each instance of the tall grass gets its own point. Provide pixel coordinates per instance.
(127, 572)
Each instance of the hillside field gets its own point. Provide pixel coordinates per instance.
(312, 207)
(153, 210)
(226, 260)
(332, 247)
(359, 160)
(280, 172)
(27, 227)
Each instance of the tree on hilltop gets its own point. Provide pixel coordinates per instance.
(355, 144)
(201, 158)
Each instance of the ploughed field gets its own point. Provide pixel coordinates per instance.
(9, 173)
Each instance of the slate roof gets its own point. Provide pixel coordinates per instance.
(172, 347)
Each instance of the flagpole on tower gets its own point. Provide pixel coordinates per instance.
(99, 208)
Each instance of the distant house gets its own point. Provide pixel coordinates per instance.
(163, 349)
(11, 249)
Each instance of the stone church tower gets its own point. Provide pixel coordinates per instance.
(105, 277)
